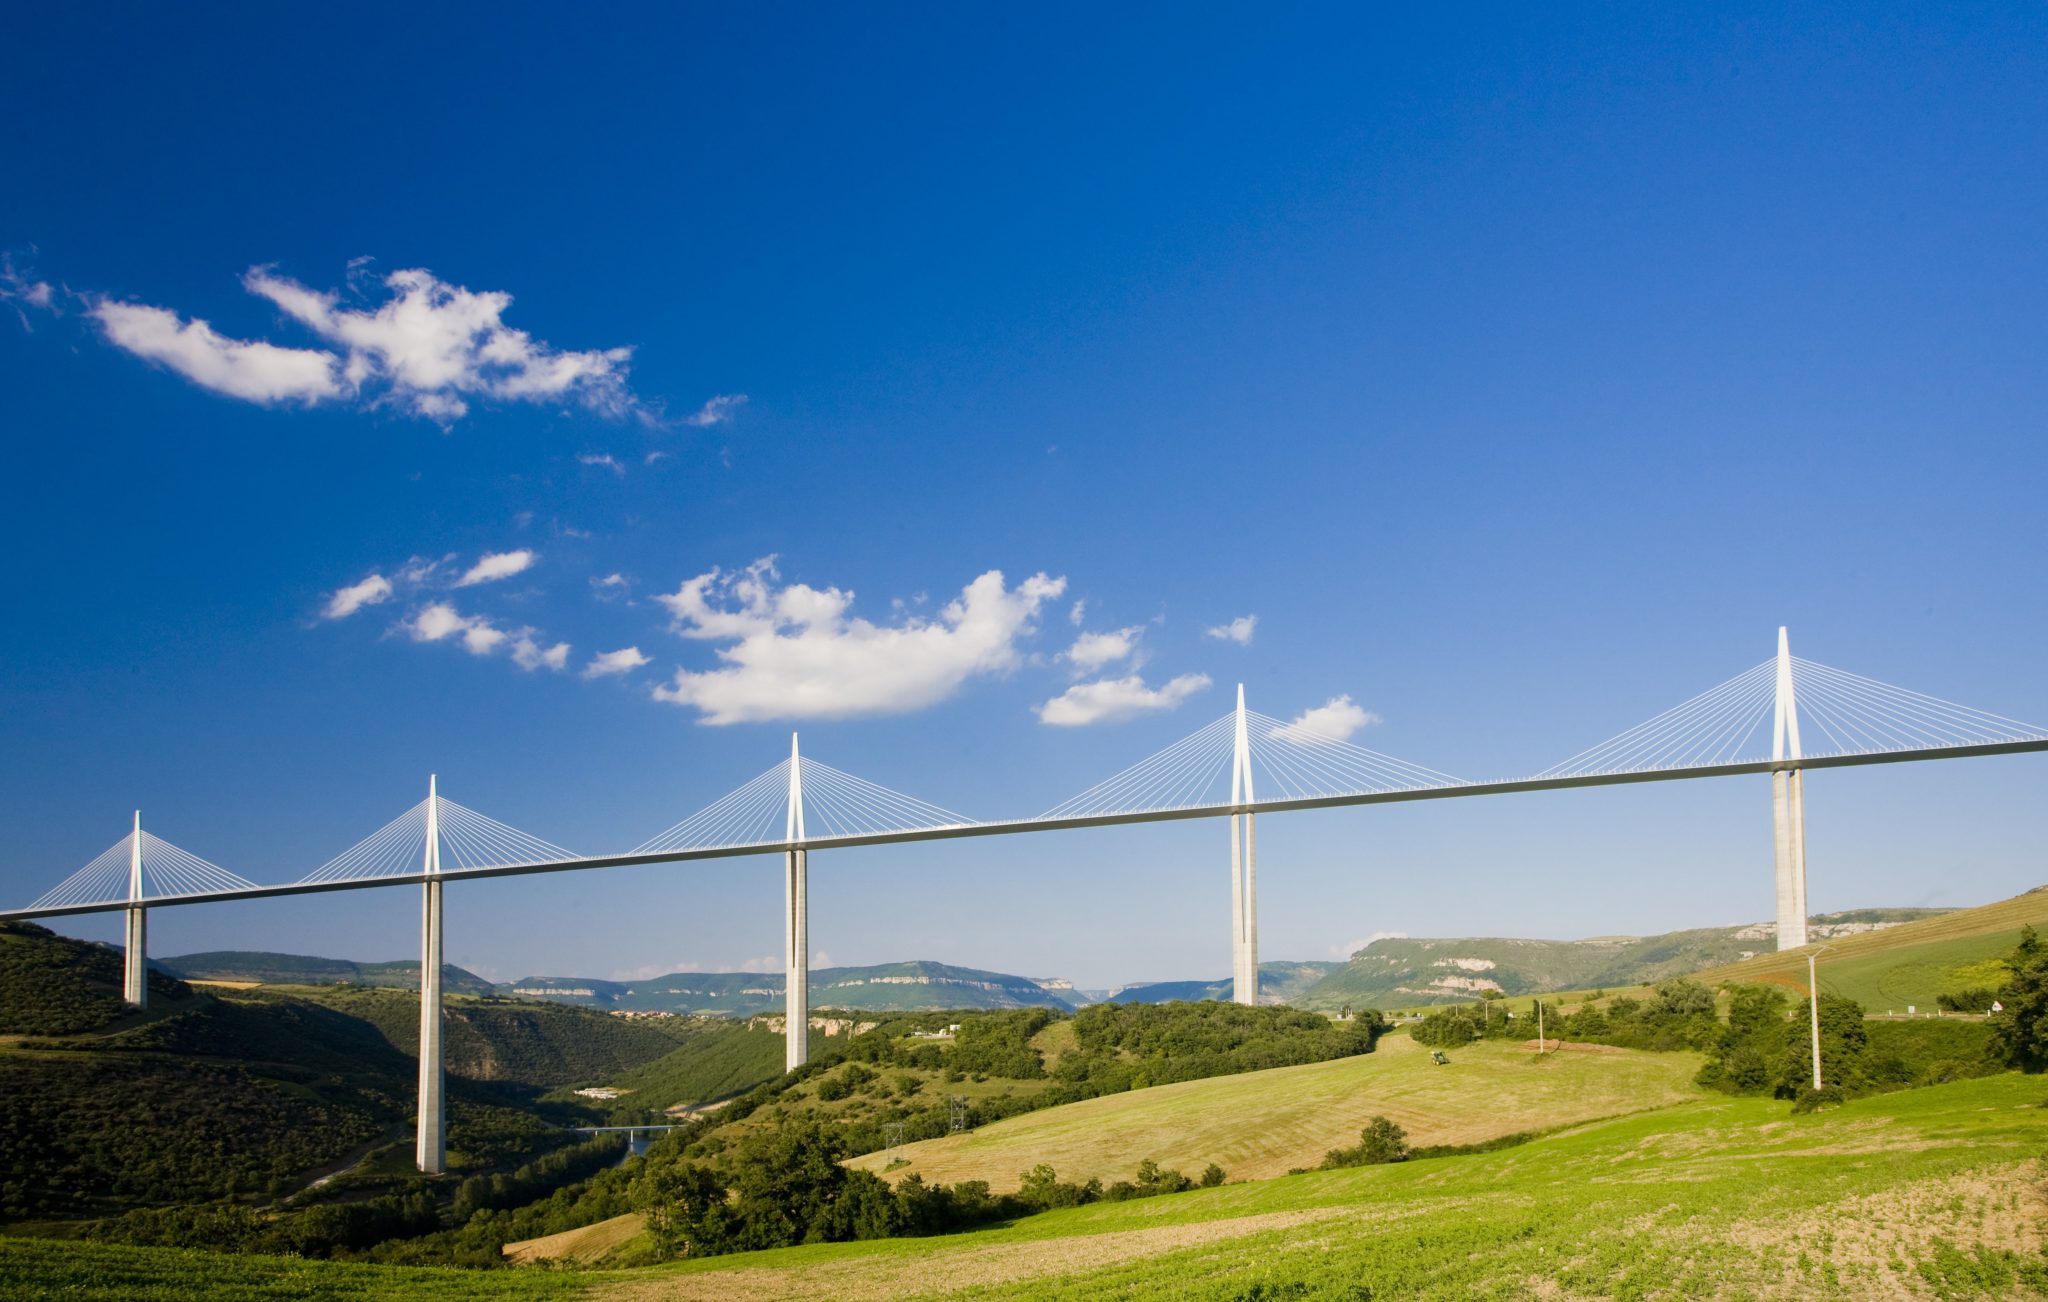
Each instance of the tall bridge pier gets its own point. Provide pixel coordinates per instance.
(1788, 808)
(796, 927)
(432, 1147)
(1244, 869)
(135, 952)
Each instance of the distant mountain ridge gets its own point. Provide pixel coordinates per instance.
(914, 986)
(1279, 983)
(306, 970)
(1399, 971)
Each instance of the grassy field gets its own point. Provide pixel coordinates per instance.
(1907, 964)
(1263, 1124)
(1933, 1193)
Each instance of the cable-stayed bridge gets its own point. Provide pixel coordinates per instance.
(1237, 767)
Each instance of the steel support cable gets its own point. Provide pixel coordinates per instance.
(1649, 744)
(1997, 725)
(1675, 742)
(1907, 714)
(1633, 748)
(724, 821)
(1878, 722)
(97, 881)
(1853, 728)
(397, 847)
(1110, 795)
(1322, 764)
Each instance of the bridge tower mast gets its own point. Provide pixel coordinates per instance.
(432, 1154)
(135, 955)
(796, 926)
(1244, 870)
(1788, 807)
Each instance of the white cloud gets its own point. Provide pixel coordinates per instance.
(433, 345)
(797, 654)
(603, 459)
(428, 348)
(498, 565)
(438, 621)
(1091, 651)
(1350, 947)
(18, 288)
(717, 411)
(622, 661)
(253, 371)
(347, 601)
(1078, 613)
(1111, 700)
(1238, 630)
(1335, 720)
(529, 654)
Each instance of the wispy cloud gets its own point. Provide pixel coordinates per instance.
(347, 601)
(622, 661)
(603, 460)
(1112, 700)
(493, 566)
(1091, 651)
(1238, 630)
(529, 654)
(718, 411)
(797, 653)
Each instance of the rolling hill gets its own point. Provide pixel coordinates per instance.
(1395, 972)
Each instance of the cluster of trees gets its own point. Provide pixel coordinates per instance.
(1678, 1015)
(788, 1187)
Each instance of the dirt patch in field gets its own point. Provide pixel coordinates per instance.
(1871, 1245)
(858, 1279)
(1569, 1046)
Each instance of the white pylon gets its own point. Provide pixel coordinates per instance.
(1244, 870)
(431, 1151)
(796, 926)
(1788, 807)
(135, 953)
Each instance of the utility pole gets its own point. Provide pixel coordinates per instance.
(1813, 1008)
(796, 926)
(432, 1148)
(135, 955)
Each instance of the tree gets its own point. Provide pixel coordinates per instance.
(1843, 1043)
(686, 1209)
(2019, 1030)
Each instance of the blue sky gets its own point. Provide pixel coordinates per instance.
(1519, 372)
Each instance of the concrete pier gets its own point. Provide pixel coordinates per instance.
(135, 952)
(432, 1149)
(1244, 870)
(796, 927)
(1788, 808)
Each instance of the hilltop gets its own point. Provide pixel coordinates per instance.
(1402, 971)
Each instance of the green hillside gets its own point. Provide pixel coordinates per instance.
(305, 970)
(211, 1094)
(1906, 965)
(717, 1059)
(915, 986)
(1278, 983)
(1397, 972)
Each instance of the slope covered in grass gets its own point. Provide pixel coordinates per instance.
(1261, 1124)
(1907, 964)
